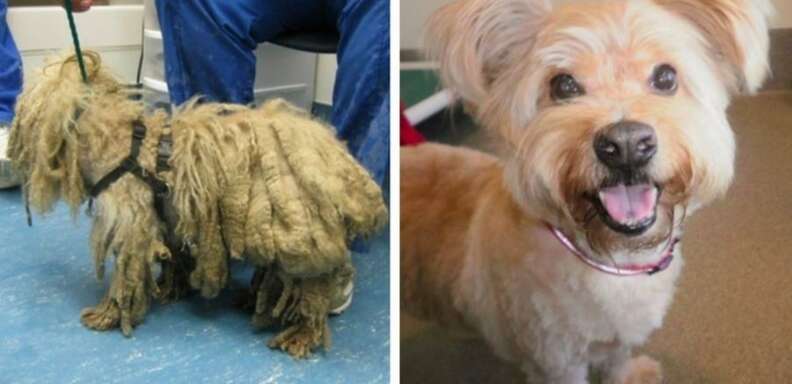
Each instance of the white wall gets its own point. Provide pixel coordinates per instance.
(112, 31)
(413, 18)
(783, 17)
(415, 12)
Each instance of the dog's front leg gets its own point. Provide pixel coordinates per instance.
(127, 301)
(125, 226)
(638, 370)
(211, 261)
(621, 368)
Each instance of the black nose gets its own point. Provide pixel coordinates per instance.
(626, 144)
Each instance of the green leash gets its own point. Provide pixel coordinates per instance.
(68, 5)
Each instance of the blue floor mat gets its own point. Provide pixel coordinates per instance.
(47, 277)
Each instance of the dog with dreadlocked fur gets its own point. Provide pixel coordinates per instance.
(267, 185)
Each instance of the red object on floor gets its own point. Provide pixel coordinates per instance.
(408, 135)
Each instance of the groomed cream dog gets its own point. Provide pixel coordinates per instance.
(563, 253)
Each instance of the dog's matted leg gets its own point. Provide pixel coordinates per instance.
(211, 260)
(300, 304)
(127, 301)
(265, 289)
(304, 307)
(174, 281)
(234, 206)
(130, 232)
(105, 315)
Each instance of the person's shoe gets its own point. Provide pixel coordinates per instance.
(8, 177)
(341, 298)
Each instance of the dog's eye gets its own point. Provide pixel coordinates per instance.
(564, 86)
(664, 79)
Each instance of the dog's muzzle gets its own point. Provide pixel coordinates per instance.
(627, 199)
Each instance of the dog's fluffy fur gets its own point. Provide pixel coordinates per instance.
(475, 246)
(269, 185)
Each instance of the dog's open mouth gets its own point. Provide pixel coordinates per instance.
(628, 208)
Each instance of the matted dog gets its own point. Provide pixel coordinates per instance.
(563, 253)
(176, 197)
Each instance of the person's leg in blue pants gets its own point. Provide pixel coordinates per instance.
(10, 69)
(10, 86)
(209, 51)
(209, 45)
(361, 105)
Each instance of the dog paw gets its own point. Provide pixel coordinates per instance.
(643, 370)
(209, 276)
(208, 282)
(105, 315)
(301, 340)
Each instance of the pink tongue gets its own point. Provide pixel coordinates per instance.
(629, 204)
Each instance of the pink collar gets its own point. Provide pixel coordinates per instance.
(627, 270)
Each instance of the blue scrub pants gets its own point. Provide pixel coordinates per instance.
(10, 69)
(209, 50)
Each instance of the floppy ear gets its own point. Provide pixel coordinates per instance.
(737, 32)
(474, 41)
(43, 145)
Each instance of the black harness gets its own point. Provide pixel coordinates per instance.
(131, 165)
